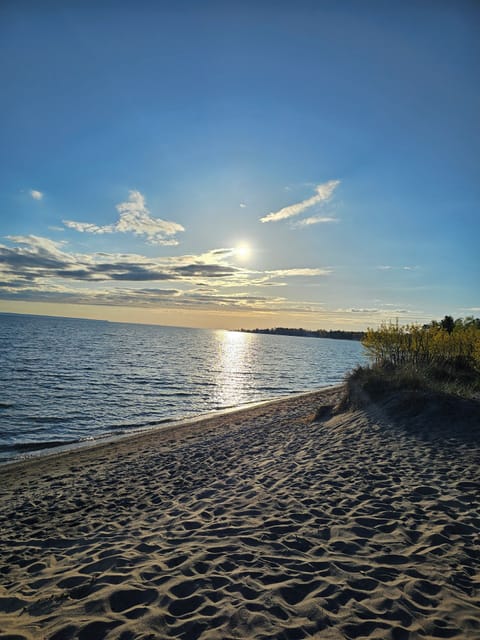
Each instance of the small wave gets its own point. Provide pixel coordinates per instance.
(36, 446)
(6, 405)
(140, 425)
(223, 407)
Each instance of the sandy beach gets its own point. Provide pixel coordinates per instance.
(277, 521)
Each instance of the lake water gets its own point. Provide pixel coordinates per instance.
(66, 380)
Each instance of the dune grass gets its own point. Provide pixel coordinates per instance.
(441, 357)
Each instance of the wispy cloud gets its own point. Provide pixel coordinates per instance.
(323, 193)
(375, 310)
(306, 222)
(36, 195)
(243, 205)
(134, 218)
(300, 272)
(153, 297)
(388, 267)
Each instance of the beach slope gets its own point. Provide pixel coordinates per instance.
(286, 520)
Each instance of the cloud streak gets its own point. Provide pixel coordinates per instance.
(306, 222)
(154, 298)
(134, 218)
(323, 193)
(299, 272)
(388, 267)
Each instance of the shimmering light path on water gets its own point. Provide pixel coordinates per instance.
(66, 380)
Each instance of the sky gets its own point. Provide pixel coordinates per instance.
(230, 164)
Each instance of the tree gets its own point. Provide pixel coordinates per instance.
(448, 323)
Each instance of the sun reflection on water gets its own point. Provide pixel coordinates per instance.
(234, 367)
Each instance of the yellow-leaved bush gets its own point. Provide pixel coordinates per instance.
(424, 345)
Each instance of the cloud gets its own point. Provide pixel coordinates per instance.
(323, 193)
(243, 205)
(35, 258)
(384, 311)
(207, 270)
(218, 253)
(315, 220)
(388, 267)
(151, 297)
(36, 195)
(44, 248)
(299, 272)
(33, 268)
(134, 218)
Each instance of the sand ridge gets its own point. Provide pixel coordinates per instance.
(258, 524)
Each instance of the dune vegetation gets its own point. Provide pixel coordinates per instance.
(441, 356)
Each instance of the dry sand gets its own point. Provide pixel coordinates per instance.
(258, 524)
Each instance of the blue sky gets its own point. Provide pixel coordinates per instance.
(230, 164)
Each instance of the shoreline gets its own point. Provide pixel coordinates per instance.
(162, 425)
(266, 522)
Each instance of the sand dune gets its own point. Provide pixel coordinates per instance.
(258, 524)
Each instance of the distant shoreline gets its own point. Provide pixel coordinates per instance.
(334, 334)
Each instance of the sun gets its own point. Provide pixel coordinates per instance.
(243, 251)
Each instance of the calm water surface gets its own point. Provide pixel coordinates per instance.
(66, 380)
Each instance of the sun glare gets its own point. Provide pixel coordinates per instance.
(243, 251)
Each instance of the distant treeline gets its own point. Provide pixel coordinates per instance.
(307, 333)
